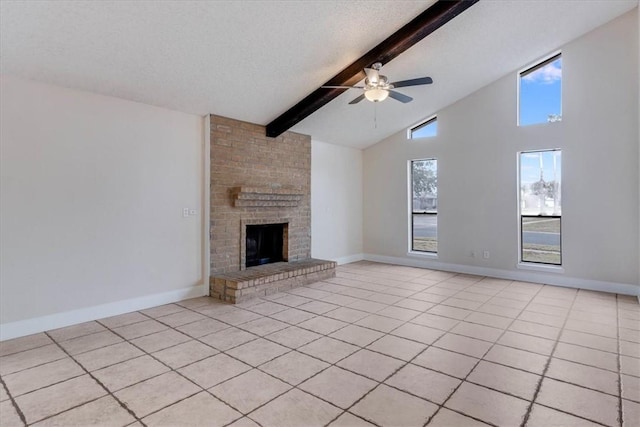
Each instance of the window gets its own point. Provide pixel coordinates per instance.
(425, 129)
(540, 207)
(540, 92)
(424, 205)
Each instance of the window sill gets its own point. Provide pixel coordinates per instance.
(540, 267)
(433, 255)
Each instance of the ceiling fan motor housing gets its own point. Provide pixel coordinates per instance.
(377, 87)
(382, 83)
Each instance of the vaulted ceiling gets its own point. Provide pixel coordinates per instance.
(253, 60)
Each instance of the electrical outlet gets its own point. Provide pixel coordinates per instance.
(185, 212)
(485, 254)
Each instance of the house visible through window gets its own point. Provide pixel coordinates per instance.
(540, 92)
(424, 205)
(541, 207)
(425, 129)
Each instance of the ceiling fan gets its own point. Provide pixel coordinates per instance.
(377, 87)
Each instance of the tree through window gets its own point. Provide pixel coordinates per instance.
(424, 205)
(541, 206)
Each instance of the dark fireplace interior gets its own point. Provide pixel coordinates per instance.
(264, 244)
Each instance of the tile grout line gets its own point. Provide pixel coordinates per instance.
(66, 355)
(556, 341)
(516, 318)
(51, 384)
(619, 361)
(382, 382)
(408, 362)
(316, 315)
(249, 331)
(13, 402)
(231, 356)
(546, 366)
(171, 369)
(336, 362)
(376, 312)
(322, 335)
(439, 406)
(28, 349)
(109, 393)
(478, 362)
(279, 379)
(401, 390)
(34, 366)
(551, 355)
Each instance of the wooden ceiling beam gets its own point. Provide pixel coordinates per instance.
(424, 24)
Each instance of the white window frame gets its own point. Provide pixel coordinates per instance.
(527, 265)
(420, 124)
(531, 66)
(410, 251)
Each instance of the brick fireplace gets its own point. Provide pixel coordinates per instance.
(256, 180)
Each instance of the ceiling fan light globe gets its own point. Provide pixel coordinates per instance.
(376, 94)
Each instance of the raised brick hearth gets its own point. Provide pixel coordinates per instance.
(256, 180)
(270, 278)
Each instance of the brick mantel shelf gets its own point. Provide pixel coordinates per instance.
(266, 196)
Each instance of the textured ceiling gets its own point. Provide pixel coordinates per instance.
(252, 60)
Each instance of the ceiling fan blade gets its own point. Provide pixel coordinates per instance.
(342, 87)
(372, 75)
(358, 99)
(413, 82)
(400, 97)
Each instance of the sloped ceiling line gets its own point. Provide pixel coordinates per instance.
(417, 29)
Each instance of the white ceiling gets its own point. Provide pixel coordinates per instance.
(253, 60)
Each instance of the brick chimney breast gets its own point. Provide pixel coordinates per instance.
(257, 180)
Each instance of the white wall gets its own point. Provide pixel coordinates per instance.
(336, 202)
(92, 194)
(477, 150)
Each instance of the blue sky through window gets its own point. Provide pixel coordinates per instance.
(430, 128)
(541, 94)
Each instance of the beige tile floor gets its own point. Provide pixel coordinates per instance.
(378, 345)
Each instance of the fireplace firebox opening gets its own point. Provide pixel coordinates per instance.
(264, 244)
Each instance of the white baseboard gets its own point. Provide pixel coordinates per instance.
(349, 258)
(520, 275)
(59, 320)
